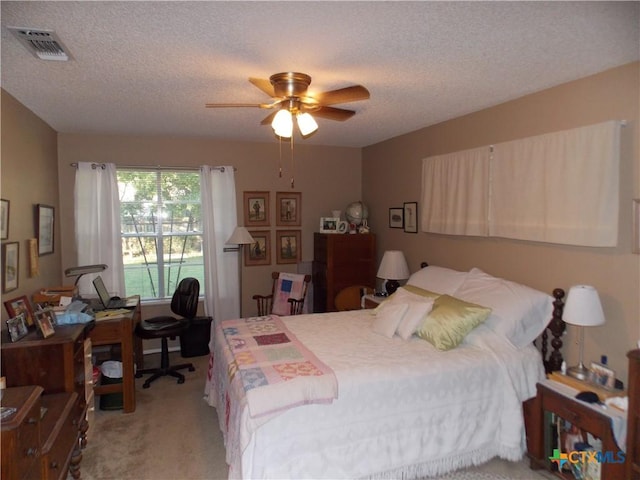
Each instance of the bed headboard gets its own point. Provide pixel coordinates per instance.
(557, 327)
(552, 360)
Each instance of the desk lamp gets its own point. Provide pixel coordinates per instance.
(393, 267)
(239, 237)
(583, 309)
(80, 271)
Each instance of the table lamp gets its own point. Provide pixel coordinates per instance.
(239, 237)
(393, 267)
(583, 309)
(83, 270)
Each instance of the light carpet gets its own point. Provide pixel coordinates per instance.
(170, 437)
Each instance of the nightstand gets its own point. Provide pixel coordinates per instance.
(606, 424)
(372, 301)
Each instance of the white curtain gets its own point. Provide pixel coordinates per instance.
(97, 225)
(219, 218)
(561, 187)
(455, 193)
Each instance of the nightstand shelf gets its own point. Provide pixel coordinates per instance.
(558, 398)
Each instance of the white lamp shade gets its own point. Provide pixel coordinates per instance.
(306, 124)
(583, 307)
(393, 266)
(240, 236)
(282, 124)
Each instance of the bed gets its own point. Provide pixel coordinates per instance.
(432, 380)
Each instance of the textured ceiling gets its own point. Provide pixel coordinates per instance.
(148, 68)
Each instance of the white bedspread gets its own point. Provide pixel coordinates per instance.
(403, 408)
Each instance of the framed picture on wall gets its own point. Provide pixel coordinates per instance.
(259, 252)
(396, 217)
(411, 217)
(288, 209)
(10, 263)
(635, 248)
(45, 216)
(256, 209)
(288, 246)
(4, 219)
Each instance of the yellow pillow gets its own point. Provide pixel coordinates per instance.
(450, 321)
(419, 291)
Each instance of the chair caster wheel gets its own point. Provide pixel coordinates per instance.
(145, 385)
(181, 380)
(138, 375)
(192, 369)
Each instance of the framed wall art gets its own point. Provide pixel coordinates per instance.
(288, 209)
(17, 328)
(45, 319)
(4, 219)
(259, 252)
(256, 209)
(45, 215)
(396, 217)
(20, 306)
(10, 263)
(288, 246)
(635, 248)
(411, 217)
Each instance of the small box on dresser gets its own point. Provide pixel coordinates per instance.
(633, 417)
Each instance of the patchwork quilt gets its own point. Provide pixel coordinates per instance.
(273, 368)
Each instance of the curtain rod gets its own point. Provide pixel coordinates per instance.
(149, 167)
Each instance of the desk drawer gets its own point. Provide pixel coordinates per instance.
(107, 332)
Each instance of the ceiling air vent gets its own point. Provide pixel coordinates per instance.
(44, 44)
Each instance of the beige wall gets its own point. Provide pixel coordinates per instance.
(29, 176)
(327, 177)
(391, 176)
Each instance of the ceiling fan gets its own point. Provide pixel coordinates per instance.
(291, 100)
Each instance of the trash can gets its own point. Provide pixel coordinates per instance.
(194, 342)
(111, 373)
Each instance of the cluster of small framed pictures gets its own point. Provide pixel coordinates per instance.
(405, 217)
(43, 245)
(288, 214)
(23, 319)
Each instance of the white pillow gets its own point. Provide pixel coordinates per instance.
(438, 279)
(412, 319)
(518, 313)
(388, 317)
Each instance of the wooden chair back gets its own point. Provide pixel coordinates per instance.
(265, 302)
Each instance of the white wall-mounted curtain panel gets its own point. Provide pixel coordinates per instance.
(455, 193)
(219, 217)
(561, 187)
(97, 225)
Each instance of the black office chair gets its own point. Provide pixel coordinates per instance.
(183, 303)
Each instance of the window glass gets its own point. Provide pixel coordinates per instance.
(161, 225)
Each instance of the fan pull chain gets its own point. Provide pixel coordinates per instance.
(280, 157)
(293, 164)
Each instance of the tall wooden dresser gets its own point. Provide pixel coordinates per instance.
(339, 261)
(633, 417)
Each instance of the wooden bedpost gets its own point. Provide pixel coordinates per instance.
(557, 328)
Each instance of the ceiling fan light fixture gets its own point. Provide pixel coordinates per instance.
(306, 124)
(282, 124)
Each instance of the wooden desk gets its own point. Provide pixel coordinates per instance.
(120, 330)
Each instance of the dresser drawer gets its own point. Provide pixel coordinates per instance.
(28, 440)
(59, 434)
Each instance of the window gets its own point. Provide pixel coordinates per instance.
(161, 225)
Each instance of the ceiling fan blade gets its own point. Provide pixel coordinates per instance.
(227, 105)
(342, 95)
(264, 85)
(333, 113)
(268, 119)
